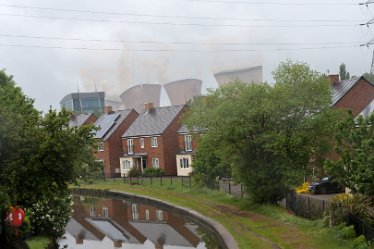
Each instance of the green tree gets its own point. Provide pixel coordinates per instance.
(344, 75)
(264, 136)
(355, 147)
(369, 77)
(39, 155)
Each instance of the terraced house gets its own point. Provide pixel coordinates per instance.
(187, 145)
(152, 140)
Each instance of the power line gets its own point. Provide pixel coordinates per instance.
(275, 3)
(177, 43)
(180, 24)
(171, 50)
(174, 16)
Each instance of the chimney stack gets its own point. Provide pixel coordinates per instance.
(108, 109)
(333, 78)
(148, 106)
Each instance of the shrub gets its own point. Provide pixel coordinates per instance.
(343, 204)
(134, 172)
(348, 232)
(153, 172)
(360, 242)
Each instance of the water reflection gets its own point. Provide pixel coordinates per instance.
(114, 223)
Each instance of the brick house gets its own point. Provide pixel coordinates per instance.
(82, 119)
(355, 94)
(152, 140)
(187, 145)
(111, 126)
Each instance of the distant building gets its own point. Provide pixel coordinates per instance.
(84, 102)
(247, 75)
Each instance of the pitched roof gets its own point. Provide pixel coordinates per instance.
(184, 130)
(78, 120)
(109, 122)
(368, 110)
(339, 89)
(153, 121)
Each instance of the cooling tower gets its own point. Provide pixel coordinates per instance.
(248, 75)
(135, 97)
(181, 91)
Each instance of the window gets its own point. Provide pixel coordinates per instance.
(184, 163)
(100, 147)
(92, 211)
(154, 142)
(159, 215)
(105, 212)
(141, 142)
(188, 142)
(147, 214)
(155, 163)
(130, 146)
(134, 210)
(126, 164)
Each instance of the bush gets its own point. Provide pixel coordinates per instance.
(153, 172)
(360, 242)
(134, 172)
(348, 232)
(343, 204)
(303, 188)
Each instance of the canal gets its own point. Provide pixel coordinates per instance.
(105, 223)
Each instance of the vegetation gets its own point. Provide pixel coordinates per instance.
(39, 157)
(253, 226)
(38, 243)
(344, 75)
(355, 147)
(266, 137)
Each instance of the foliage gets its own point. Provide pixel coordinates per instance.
(360, 242)
(355, 147)
(39, 154)
(265, 136)
(49, 216)
(348, 232)
(344, 75)
(369, 77)
(153, 172)
(134, 172)
(303, 188)
(343, 204)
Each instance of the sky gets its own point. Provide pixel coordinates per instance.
(54, 48)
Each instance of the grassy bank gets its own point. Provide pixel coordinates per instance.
(38, 243)
(253, 226)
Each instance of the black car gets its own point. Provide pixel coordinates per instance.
(325, 186)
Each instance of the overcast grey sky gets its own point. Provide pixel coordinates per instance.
(52, 50)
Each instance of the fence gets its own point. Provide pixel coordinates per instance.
(306, 206)
(182, 181)
(232, 188)
(361, 227)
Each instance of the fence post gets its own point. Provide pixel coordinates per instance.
(161, 180)
(150, 179)
(142, 181)
(230, 187)
(189, 178)
(130, 181)
(182, 181)
(171, 180)
(241, 190)
(323, 207)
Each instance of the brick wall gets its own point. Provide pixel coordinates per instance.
(91, 119)
(357, 98)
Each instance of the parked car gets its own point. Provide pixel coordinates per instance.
(325, 186)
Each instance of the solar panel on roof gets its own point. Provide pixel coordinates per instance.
(104, 123)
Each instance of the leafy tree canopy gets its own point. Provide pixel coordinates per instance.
(355, 147)
(344, 75)
(262, 135)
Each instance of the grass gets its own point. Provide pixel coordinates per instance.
(38, 243)
(253, 226)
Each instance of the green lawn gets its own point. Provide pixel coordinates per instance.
(38, 243)
(253, 226)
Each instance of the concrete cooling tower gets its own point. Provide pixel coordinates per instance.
(135, 97)
(181, 91)
(248, 75)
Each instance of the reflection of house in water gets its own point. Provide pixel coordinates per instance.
(119, 223)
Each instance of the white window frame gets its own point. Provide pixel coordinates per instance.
(141, 142)
(184, 163)
(134, 211)
(147, 214)
(126, 164)
(100, 147)
(159, 215)
(188, 142)
(105, 212)
(154, 143)
(130, 146)
(155, 163)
